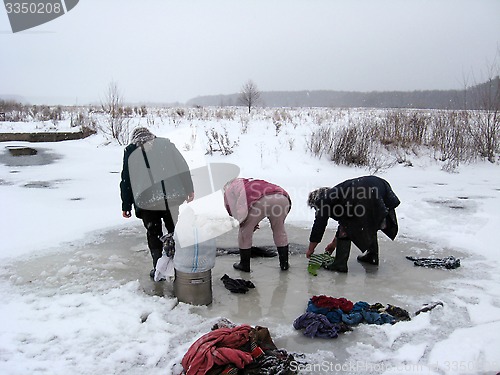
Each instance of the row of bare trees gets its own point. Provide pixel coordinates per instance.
(117, 125)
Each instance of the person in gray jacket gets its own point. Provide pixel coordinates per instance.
(155, 180)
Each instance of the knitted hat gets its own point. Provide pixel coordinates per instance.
(315, 195)
(141, 135)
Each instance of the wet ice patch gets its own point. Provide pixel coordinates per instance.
(52, 184)
(454, 204)
(43, 156)
(5, 182)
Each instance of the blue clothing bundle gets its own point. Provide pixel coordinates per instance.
(316, 325)
(360, 313)
(328, 322)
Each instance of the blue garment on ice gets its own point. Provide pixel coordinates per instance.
(316, 325)
(360, 313)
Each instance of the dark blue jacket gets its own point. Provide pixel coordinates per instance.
(362, 206)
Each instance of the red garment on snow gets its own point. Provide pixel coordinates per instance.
(218, 347)
(332, 303)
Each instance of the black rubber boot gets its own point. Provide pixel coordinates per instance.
(341, 256)
(371, 255)
(244, 264)
(283, 256)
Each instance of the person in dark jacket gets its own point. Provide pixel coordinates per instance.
(361, 206)
(155, 180)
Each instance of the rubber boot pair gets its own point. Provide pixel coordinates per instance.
(341, 256)
(246, 254)
(371, 255)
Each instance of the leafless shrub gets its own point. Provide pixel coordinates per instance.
(351, 146)
(116, 125)
(245, 121)
(485, 128)
(449, 138)
(452, 137)
(403, 128)
(83, 119)
(219, 142)
(277, 126)
(224, 114)
(320, 141)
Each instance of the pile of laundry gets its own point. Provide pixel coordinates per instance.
(237, 349)
(328, 317)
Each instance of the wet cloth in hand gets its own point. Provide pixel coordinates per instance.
(316, 261)
(237, 285)
(449, 262)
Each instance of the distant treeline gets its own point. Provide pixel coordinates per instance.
(470, 98)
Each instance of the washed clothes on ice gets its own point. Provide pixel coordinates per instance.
(317, 325)
(237, 285)
(218, 347)
(230, 349)
(449, 262)
(340, 312)
(361, 206)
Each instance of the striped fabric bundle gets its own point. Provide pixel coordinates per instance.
(317, 261)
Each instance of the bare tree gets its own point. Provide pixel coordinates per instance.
(249, 95)
(117, 126)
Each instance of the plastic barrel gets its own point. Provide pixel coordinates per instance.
(193, 288)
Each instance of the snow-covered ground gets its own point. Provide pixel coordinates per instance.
(71, 196)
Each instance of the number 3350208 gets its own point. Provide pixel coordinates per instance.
(33, 8)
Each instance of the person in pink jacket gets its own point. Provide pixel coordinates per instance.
(249, 201)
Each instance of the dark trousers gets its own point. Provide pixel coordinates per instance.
(342, 235)
(153, 222)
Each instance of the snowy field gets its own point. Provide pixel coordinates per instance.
(52, 324)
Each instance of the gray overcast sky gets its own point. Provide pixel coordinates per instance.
(165, 51)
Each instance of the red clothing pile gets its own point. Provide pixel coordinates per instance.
(333, 303)
(231, 349)
(218, 347)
